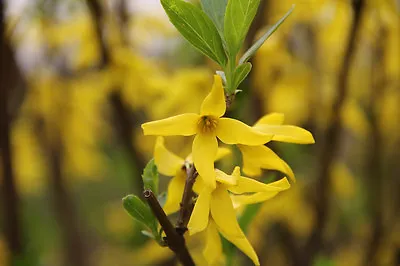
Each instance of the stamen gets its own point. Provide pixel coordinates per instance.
(207, 124)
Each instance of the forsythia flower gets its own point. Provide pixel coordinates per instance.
(207, 126)
(170, 164)
(260, 157)
(214, 210)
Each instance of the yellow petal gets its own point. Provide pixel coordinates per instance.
(180, 125)
(167, 162)
(241, 200)
(223, 213)
(224, 178)
(271, 119)
(214, 104)
(221, 153)
(213, 250)
(260, 157)
(231, 131)
(244, 245)
(248, 185)
(175, 192)
(286, 133)
(199, 218)
(204, 150)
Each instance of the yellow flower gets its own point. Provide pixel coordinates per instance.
(260, 157)
(170, 164)
(207, 126)
(214, 210)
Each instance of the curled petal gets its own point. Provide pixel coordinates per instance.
(248, 185)
(260, 157)
(231, 131)
(223, 213)
(200, 215)
(287, 133)
(167, 162)
(213, 250)
(244, 245)
(225, 179)
(214, 104)
(175, 191)
(180, 125)
(271, 119)
(204, 150)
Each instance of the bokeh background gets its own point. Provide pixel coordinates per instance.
(79, 77)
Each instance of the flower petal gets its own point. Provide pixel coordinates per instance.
(244, 245)
(271, 119)
(241, 200)
(221, 153)
(175, 192)
(287, 133)
(201, 211)
(167, 162)
(260, 157)
(224, 178)
(180, 125)
(223, 213)
(204, 151)
(248, 185)
(214, 104)
(231, 131)
(213, 250)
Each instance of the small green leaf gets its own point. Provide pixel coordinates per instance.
(196, 27)
(241, 73)
(238, 17)
(253, 49)
(150, 177)
(216, 12)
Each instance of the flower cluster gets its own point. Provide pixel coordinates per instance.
(219, 194)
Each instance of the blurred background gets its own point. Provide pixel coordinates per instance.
(78, 77)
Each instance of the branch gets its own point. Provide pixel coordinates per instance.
(174, 240)
(187, 200)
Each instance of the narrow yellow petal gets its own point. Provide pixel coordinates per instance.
(213, 250)
(271, 119)
(248, 185)
(241, 200)
(221, 153)
(223, 213)
(224, 178)
(260, 157)
(167, 162)
(200, 215)
(204, 151)
(175, 191)
(180, 125)
(244, 245)
(231, 131)
(214, 104)
(287, 133)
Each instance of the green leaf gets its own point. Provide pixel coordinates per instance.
(215, 9)
(253, 49)
(238, 17)
(150, 177)
(196, 27)
(241, 73)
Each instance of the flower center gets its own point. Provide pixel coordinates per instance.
(207, 124)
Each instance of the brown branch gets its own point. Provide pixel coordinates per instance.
(174, 240)
(11, 199)
(187, 200)
(330, 144)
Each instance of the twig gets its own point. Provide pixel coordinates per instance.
(187, 200)
(331, 143)
(175, 241)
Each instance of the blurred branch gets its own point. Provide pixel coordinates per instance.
(175, 241)
(11, 199)
(330, 143)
